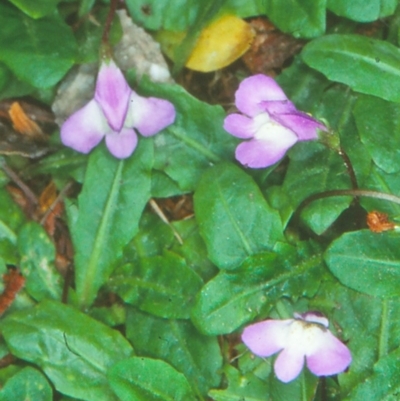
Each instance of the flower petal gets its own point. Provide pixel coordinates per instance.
(122, 144)
(150, 115)
(266, 150)
(239, 125)
(85, 128)
(254, 90)
(112, 93)
(329, 357)
(279, 107)
(313, 317)
(302, 124)
(266, 338)
(289, 363)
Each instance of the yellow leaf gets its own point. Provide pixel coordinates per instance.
(220, 44)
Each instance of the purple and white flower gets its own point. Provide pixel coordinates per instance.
(115, 113)
(306, 336)
(269, 121)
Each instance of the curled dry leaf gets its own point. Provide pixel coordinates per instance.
(13, 282)
(270, 48)
(379, 222)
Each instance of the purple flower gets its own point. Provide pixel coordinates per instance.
(115, 112)
(270, 121)
(306, 335)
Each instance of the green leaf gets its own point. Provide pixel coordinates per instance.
(381, 181)
(177, 342)
(36, 9)
(315, 169)
(64, 163)
(366, 65)
(37, 263)
(232, 299)
(27, 385)
(366, 262)
(301, 18)
(153, 237)
(193, 248)
(144, 379)
(162, 285)
(234, 218)
(363, 10)
(382, 384)
(378, 122)
(11, 217)
(113, 197)
(241, 387)
(39, 52)
(74, 350)
(194, 142)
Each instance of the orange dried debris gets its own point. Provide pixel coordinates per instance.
(23, 124)
(13, 282)
(379, 222)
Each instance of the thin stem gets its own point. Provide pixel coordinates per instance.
(55, 202)
(14, 177)
(349, 192)
(349, 167)
(107, 25)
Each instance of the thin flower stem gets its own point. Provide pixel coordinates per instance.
(384, 330)
(349, 167)
(107, 25)
(348, 192)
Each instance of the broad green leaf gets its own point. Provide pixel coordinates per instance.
(145, 379)
(241, 387)
(367, 65)
(366, 262)
(11, 217)
(315, 169)
(64, 163)
(177, 342)
(113, 197)
(90, 31)
(369, 326)
(378, 122)
(194, 142)
(39, 52)
(161, 285)
(193, 248)
(232, 299)
(37, 263)
(153, 238)
(178, 15)
(27, 385)
(362, 10)
(301, 18)
(382, 384)
(36, 9)
(74, 350)
(234, 218)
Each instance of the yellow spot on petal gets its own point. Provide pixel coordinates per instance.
(220, 44)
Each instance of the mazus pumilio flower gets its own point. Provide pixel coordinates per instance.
(115, 113)
(270, 122)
